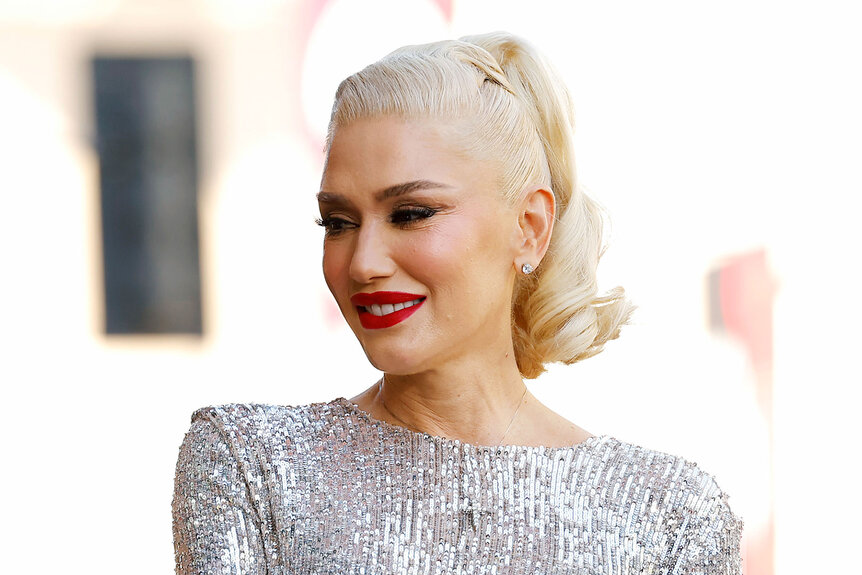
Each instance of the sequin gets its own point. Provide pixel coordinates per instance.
(326, 489)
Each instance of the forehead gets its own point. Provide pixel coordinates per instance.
(375, 153)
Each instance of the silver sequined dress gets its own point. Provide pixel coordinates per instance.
(325, 488)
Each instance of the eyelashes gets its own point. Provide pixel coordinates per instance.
(401, 217)
(407, 215)
(331, 225)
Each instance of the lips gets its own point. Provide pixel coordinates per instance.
(385, 308)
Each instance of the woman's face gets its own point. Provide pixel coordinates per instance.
(420, 247)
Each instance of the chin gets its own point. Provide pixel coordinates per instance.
(393, 361)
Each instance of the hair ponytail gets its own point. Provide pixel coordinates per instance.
(557, 314)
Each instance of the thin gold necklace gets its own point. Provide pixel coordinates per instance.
(410, 427)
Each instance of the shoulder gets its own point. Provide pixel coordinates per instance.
(652, 468)
(697, 524)
(252, 425)
(249, 440)
(255, 415)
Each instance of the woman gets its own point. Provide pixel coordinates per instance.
(463, 256)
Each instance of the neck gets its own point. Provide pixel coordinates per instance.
(473, 405)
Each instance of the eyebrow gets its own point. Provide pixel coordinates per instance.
(386, 193)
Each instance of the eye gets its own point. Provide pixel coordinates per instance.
(333, 225)
(406, 216)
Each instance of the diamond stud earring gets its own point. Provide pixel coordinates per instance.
(527, 269)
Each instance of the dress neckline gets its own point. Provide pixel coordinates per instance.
(457, 443)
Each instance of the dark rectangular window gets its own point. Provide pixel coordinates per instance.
(146, 134)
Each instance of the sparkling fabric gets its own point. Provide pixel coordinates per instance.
(325, 488)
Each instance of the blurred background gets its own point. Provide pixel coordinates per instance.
(158, 165)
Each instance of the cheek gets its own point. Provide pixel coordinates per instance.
(335, 270)
(437, 257)
(467, 256)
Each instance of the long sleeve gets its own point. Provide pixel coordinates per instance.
(708, 540)
(216, 527)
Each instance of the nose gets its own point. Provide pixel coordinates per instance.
(371, 257)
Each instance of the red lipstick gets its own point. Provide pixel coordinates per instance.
(385, 308)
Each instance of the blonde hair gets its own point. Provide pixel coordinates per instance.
(517, 113)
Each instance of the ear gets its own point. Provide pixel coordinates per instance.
(535, 225)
